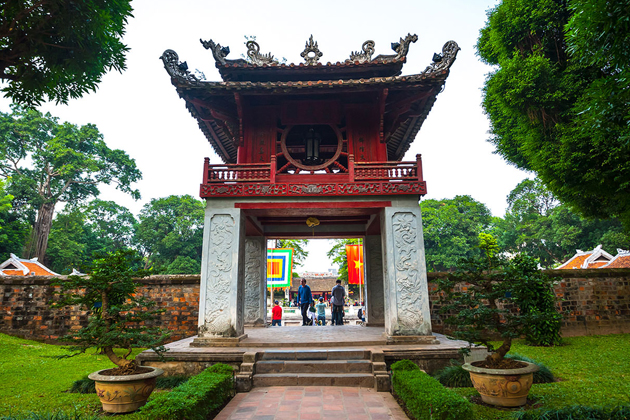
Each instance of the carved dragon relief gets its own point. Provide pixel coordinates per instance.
(408, 284)
(217, 318)
(445, 60)
(219, 53)
(177, 69)
(253, 279)
(401, 48)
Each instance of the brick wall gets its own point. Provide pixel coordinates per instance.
(592, 301)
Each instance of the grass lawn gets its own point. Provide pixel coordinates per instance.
(594, 371)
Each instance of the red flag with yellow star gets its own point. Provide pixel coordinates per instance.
(355, 264)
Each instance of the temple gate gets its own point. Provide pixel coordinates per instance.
(317, 142)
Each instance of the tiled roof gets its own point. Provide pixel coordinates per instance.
(597, 258)
(23, 267)
(574, 262)
(621, 260)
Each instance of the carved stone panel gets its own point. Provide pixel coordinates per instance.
(255, 301)
(408, 290)
(220, 250)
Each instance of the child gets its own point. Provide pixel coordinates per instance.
(276, 315)
(312, 314)
(321, 311)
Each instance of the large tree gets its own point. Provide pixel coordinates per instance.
(170, 234)
(538, 224)
(49, 163)
(559, 97)
(451, 230)
(59, 49)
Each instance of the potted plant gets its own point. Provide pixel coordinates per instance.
(487, 298)
(117, 319)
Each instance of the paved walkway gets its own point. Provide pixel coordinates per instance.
(312, 403)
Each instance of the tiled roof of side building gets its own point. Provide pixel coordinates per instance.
(597, 258)
(621, 260)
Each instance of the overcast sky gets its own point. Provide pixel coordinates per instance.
(139, 111)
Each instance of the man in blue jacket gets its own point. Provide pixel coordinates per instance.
(304, 301)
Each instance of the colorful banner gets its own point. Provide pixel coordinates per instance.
(355, 264)
(279, 267)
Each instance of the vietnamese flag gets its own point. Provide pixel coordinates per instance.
(355, 264)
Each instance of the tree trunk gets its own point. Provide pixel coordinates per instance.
(42, 229)
(500, 353)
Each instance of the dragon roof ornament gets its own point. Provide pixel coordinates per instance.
(445, 60)
(364, 56)
(311, 53)
(253, 52)
(176, 69)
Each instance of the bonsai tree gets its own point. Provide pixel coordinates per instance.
(493, 296)
(118, 317)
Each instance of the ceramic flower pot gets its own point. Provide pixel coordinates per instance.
(502, 387)
(124, 394)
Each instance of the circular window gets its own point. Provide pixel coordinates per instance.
(311, 147)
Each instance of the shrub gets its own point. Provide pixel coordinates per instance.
(404, 365)
(196, 398)
(578, 412)
(454, 376)
(426, 398)
(87, 386)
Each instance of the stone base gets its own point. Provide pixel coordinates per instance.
(217, 341)
(256, 325)
(411, 339)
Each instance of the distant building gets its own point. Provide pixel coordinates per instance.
(321, 284)
(597, 258)
(15, 266)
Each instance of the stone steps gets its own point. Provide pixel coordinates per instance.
(339, 367)
(314, 366)
(365, 380)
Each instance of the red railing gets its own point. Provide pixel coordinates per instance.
(357, 171)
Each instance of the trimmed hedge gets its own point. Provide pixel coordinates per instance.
(59, 415)
(578, 412)
(426, 398)
(196, 398)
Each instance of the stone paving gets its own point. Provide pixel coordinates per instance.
(312, 403)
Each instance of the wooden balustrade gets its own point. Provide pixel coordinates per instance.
(357, 171)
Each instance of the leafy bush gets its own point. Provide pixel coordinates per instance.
(404, 365)
(455, 376)
(426, 398)
(502, 298)
(87, 386)
(578, 412)
(196, 398)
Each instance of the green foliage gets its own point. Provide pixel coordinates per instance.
(119, 318)
(558, 99)
(532, 291)
(537, 223)
(57, 415)
(577, 412)
(50, 163)
(299, 251)
(87, 386)
(454, 376)
(60, 50)
(451, 229)
(405, 365)
(196, 398)
(426, 398)
(170, 234)
(499, 296)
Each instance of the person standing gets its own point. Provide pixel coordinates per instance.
(276, 315)
(338, 299)
(321, 311)
(304, 301)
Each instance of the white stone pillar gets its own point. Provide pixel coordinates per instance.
(255, 281)
(405, 277)
(375, 301)
(221, 293)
